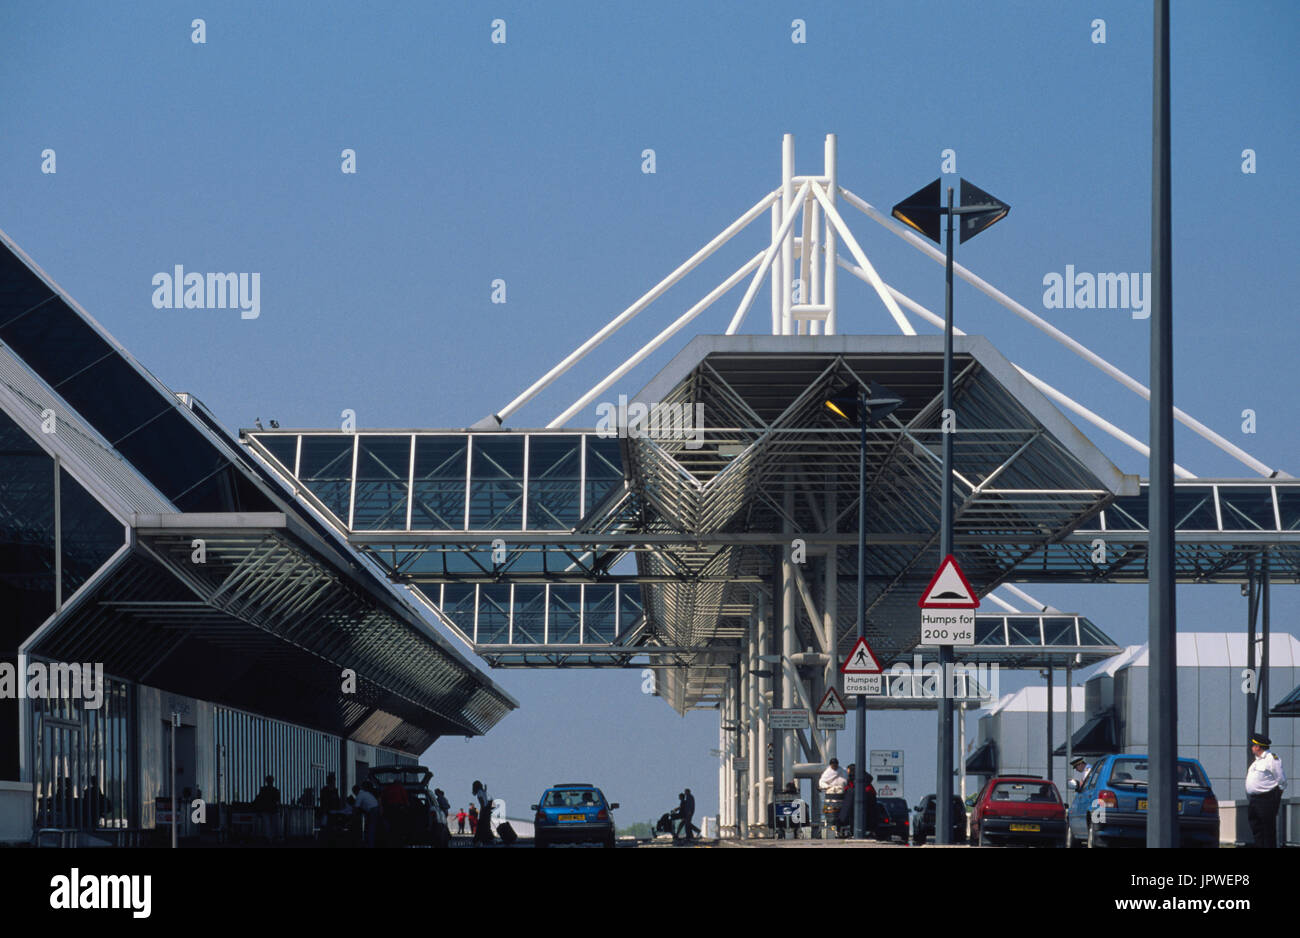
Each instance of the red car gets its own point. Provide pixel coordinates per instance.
(1018, 809)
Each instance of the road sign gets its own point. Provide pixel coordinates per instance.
(885, 759)
(830, 721)
(948, 607)
(863, 684)
(949, 588)
(861, 660)
(796, 719)
(831, 704)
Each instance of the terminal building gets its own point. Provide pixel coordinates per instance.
(171, 590)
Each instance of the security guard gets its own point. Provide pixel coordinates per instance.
(1081, 769)
(1265, 781)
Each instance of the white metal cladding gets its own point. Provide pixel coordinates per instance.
(88, 456)
(247, 748)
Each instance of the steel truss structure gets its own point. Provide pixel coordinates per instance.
(720, 551)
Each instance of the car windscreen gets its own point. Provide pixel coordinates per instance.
(1037, 792)
(571, 798)
(1136, 772)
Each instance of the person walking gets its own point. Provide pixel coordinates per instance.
(368, 806)
(267, 804)
(483, 834)
(688, 815)
(869, 803)
(1265, 782)
(460, 821)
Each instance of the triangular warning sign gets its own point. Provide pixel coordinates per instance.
(832, 704)
(949, 589)
(861, 660)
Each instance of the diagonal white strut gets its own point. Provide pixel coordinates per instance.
(622, 318)
(1061, 398)
(768, 255)
(1075, 346)
(855, 249)
(657, 341)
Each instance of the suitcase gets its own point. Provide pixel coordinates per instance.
(506, 833)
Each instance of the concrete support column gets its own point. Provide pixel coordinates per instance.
(760, 782)
(744, 745)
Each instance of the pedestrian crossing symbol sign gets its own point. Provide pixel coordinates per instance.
(861, 660)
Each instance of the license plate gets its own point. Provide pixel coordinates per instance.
(1026, 827)
(1142, 805)
(572, 817)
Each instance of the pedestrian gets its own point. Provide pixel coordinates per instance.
(1265, 782)
(1080, 769)
(845, 820)
(368, 807)
(328, 804)
(869, 803)
(483, 834)
(833, 779)
(688, 814)
(267, 806)
(460, 821)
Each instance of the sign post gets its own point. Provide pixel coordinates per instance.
(831, 711)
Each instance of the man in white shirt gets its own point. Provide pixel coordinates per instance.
(833, 779)
(1265, 781)
(1081, 769)
(368, 805)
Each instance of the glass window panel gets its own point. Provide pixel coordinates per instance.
(1023, 631)
(604, 469)
(1247, 509)
(988, 631)
(283, 448)
(52, 338)
(496, 483)
(554, 482)
(90, 534)
(599, 613)
(1058, 631)
(458, 603)
(565, 606)
(439, 498)
(1127, 514)
(27, 533)
(530, 614)
(1288, 506)
(1194, 510)
(383, 464)
(327, 471)
(630, 607)
(494, 614)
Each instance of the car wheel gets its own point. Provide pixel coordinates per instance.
(1070, 841)
(609, 842)
(984, 841)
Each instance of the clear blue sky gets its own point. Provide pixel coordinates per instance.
(522, 161)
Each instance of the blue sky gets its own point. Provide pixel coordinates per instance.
(522, 161)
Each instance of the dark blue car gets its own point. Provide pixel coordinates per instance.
(1110, 807)
(573, 813)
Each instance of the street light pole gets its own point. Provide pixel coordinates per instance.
(860, 718)
(943, 793)
(921, 211)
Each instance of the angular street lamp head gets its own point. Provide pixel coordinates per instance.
(921, 211)
(972, 223)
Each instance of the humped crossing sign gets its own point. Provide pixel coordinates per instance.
(861, 670)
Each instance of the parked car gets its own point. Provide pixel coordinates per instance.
(892, 819)
(1110, 807)
(1018, 809)
(575, 812)
(923, 820)
(420, 822)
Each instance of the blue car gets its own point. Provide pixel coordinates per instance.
(573, 813)
(1110, 807)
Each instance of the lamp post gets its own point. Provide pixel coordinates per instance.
(874, 402)
(921, 211)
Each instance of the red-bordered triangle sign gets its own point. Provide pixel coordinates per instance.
(861, 660)
(832, 704)
(949, 588)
